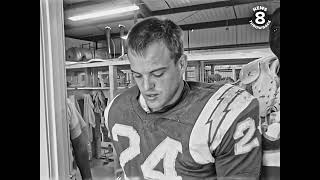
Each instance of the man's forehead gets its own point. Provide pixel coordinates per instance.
(152, 48)
(155, 54)
(143, 59)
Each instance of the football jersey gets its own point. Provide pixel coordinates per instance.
(210, 132)
(261, 78)
(271, 140)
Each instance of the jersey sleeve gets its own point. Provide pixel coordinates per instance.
(238, 155)
(106, 120)
(118, 172)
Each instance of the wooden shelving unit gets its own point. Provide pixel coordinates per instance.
(92, 88)
(91, 75)
(111, 62)
(88, 88)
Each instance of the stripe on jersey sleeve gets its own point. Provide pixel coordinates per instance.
(106, 115)
(271, 158)
(198, 144)
(230, 105)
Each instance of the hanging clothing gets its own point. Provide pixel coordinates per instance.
(96, 143)
(88, 114)
(76, 126)
(76, 122)
(98, 99)
(73, 99)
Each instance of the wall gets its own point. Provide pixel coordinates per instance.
(231, 35)
(240, 34)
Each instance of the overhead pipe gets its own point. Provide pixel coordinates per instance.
(107, 30)
(122, 40)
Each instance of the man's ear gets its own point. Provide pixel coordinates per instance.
(183, 63)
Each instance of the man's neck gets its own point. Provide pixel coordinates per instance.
(174, 99)
(177, 95)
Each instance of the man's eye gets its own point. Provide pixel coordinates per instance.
(137, 75)
(158, 74)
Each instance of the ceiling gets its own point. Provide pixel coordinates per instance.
(189, 14)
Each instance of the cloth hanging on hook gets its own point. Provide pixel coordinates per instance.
(98, 99)
(73, 99)
(76, 126)
(88, 114)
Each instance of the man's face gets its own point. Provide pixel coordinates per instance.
(274, 36)
(157, 75)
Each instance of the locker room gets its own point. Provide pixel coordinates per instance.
(91, 71)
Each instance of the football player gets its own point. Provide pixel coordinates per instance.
(262, 78)
(166, 128)
(271, 134)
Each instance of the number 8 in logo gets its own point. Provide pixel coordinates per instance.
(260, 18)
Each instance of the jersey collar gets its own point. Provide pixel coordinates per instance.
(143, 104)
(140, 105)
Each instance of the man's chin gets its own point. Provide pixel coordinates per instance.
(154, 106)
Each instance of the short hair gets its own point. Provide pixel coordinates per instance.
(153, 29)
(275, 16)
(276, 12)
(274, 33)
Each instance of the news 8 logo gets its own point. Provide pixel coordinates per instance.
(260, 18)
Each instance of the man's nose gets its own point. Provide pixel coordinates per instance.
(148, 83)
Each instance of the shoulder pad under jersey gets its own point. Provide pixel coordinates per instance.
(262, 77)
(251, 71)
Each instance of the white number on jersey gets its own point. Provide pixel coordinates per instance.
(243, 146)
(134, 142)
(167, 150)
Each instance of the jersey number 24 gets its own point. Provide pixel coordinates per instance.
(169, 148)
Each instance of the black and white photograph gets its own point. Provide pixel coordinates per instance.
(160, 90)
